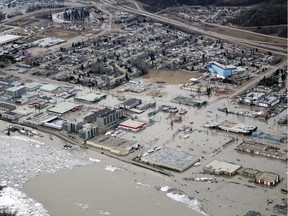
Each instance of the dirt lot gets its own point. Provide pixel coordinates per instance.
(170, 77)
(25, 21)
(60, 33)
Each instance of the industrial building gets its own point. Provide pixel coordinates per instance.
(30, 87)
(115, 145)
(232, 127)
(248, 172)
(221, 168)
(16, 92)
(189, 101)
(268, 150)
(62, 108)
(10, 115)
(224, 71)
(169, 158)
(260, 99)
(47, 42)
(267, 178)
(7, 38)
(130, 103)
(49, 88)
(90, 98)
(4, 107)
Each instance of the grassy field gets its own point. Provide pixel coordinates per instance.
(170, 77)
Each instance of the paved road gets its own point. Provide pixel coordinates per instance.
(241, 41)
(254, 82)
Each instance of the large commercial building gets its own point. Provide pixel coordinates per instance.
(105, 118)
(7, 38)
(224, 71)
(16, 92)
(260, 99)
(90, 98)
(88, 131)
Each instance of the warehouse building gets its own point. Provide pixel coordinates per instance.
(7, 38)
(115, 145)
(90, 98)
(169, 158)
(267, 178)
(221, 168)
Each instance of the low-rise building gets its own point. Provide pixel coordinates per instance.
(267, 178)
(132, 125)
(130, 103)
(90, 98)
(221, 168)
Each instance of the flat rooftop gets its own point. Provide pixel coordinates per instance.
(113, 144)
(91, 97)
(132, 124)
(8, 38)
(62, 108)
(221, 166)
(170, 159)
(268, 176)
(49, 87)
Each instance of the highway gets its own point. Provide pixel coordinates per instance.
(254, 81)
(249, 43)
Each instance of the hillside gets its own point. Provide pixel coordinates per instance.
(156, 5)
(263, 13)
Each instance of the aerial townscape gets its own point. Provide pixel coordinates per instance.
(147, 107)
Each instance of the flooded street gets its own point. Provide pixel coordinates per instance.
(113, 187)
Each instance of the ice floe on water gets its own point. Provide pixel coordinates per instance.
(84, 207)
(112, 169)
(16, 201)
(94, 160)
(144, 185)
(102, 212)
(179, 196)
(165, 188)
(22, 159)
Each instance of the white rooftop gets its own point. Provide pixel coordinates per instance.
(49, 87)
(219, 166)
(62, 108)
(90, 97)
(8, 38)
